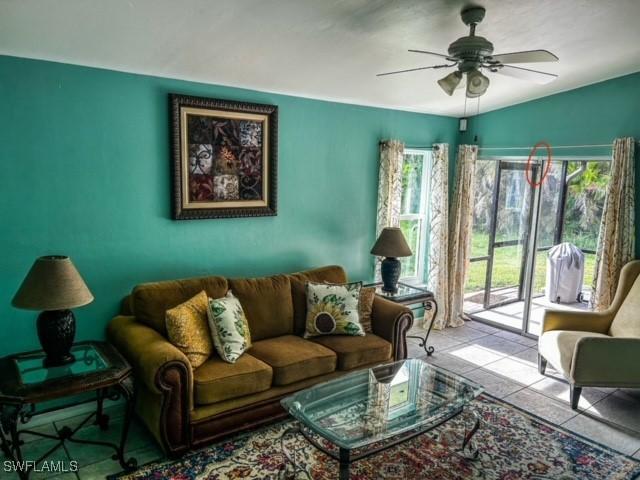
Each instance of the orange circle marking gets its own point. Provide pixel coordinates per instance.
(547, 168)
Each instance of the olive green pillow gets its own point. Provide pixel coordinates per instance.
(333, 309)
(229, 327)
(188, 330)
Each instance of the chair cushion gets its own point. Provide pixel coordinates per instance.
(354, 352)
(152, 300)
(267, 304)
(216, 380)
(292, 358)
(626, 323)
(558, 346)
(330, 274)
(187, 329)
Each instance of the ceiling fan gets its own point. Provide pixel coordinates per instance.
(473, 53)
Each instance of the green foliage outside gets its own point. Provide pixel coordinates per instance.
(506, 267)
(583, 212)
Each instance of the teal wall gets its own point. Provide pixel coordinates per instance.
(595, 114)
(84, 171)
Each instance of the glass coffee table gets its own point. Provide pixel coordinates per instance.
(367, 411)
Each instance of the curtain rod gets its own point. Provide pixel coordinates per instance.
(417, 147)
(420, 147)
(609, 145)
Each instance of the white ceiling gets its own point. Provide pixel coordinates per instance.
(327, 49)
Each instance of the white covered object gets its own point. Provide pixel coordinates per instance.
(565, 273)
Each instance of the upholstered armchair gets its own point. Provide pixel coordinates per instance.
(596, 349)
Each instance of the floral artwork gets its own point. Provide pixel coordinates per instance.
(224, 158)
(229, 166)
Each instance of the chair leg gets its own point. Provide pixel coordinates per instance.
(575, 395)
(542, 364)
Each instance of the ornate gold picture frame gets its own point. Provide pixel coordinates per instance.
(224, 158)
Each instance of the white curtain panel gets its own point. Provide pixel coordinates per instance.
(616, 240)
(438, 258)
(459, 237)
(389, 188)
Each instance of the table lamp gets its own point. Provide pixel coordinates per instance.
(53, 285)
(391, 244)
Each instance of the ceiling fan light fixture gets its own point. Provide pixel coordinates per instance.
(477, 83)
(450, 82)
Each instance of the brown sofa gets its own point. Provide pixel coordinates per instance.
(186, 408)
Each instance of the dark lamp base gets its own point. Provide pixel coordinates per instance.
(56, 331)
(390, 272)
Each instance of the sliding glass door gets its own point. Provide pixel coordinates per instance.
(514, 227)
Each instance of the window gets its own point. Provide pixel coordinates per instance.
(414, 212)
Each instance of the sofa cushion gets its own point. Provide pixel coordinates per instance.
(330, 274)
(354, 352)
(216, 380)
(267, 304)
(187, 329)
(626, 323)
(152, 300)
(558, 346)
(293, 358)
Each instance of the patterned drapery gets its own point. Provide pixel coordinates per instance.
(389, 188)
(616, 239)
(460, 237)
(438, 276)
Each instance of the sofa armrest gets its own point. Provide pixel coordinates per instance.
(596, 322)
(392, 321)
(147, 351)
(613, 361)
(166, 377)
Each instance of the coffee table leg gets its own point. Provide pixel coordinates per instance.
(345, 464)
(290, 457)
(469, 449)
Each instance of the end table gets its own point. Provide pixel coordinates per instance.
(25, 383)
(411, 295)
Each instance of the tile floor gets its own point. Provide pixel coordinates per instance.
(503, 362)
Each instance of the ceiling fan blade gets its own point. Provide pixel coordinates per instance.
(431, 53)
(526, 74)
(530, 56)
(414, 70)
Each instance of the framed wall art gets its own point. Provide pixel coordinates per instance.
(225, 158)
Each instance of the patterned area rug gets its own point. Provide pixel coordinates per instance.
(513, 445)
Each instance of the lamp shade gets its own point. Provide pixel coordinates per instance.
(450, 82)
(391, 243)
(53, 283)
(477, 83)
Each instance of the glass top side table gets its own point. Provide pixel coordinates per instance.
(32, 370)
(411, 295)
(26, 385)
